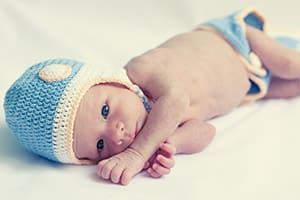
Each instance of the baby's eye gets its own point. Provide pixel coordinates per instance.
(105, 111)
(100, 144)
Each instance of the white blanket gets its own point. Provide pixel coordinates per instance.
(255, 154)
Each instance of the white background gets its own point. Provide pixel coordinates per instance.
(255, 154)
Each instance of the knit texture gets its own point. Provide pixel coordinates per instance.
(41, 105)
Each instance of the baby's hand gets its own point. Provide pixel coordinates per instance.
(122, 167)
(162, 162)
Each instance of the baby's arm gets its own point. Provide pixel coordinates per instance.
(162, 161)
(161, 123)
(191, 137)
(284, 63)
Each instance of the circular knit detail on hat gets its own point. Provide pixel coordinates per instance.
(31, 103)
(55, 72)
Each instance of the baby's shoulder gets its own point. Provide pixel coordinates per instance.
(146, 67)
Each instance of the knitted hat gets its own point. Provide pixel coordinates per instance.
(40, 107)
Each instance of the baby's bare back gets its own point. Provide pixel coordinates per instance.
(199, 64)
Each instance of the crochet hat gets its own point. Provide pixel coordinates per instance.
(40, 107)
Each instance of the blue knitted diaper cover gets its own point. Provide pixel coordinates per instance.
(233, 29)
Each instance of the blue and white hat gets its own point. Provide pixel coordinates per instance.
(40, 107)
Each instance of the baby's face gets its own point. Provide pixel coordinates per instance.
(107, 120)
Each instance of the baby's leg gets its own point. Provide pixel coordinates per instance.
(283, 88)
(192, 137)
(280, 60)
(284, 63)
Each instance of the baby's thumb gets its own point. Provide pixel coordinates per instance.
(146, 165)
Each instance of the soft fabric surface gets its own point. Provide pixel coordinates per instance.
(255, 154)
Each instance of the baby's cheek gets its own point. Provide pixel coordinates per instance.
(117, 149)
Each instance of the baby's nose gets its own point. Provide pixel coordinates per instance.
(118, 133)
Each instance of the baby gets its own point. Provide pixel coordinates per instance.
(158, 105)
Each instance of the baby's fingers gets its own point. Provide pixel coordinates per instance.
(165, 162)
(146, 165)
(153, 173)
(167, 149)
(157, 170)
